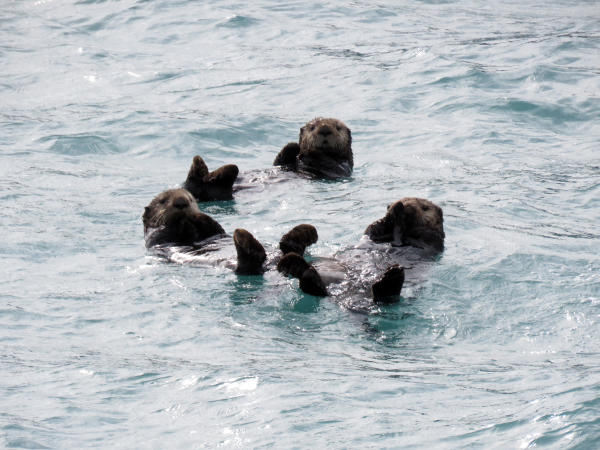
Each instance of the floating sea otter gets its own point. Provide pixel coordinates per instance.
(173, 219)
(324, 150)
(402, 243)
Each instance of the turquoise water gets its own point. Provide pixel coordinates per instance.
(490, 110)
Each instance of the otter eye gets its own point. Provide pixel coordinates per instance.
(337, 127)
(312, 128)
(163, 201)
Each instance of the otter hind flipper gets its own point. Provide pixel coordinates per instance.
(198, 170)
(287, 156)
(310, 281)
(298, 238)
(388, 288)
(251, 254)
(208, 186)
(224, 176)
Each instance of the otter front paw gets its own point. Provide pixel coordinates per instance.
(287, 156)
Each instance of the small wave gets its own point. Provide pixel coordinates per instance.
(557, 114)
(80, 144)
(237, 21)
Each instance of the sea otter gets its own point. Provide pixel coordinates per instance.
(323, 150)
(414, 228)
(173, 220)
(413, 222)
(173, 217)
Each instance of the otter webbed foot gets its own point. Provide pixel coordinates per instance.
(287, 156)
(298, 238)
(310, 281)
(251, 254)
(388, 288)
(207, 186)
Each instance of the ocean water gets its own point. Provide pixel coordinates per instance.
(491, 110)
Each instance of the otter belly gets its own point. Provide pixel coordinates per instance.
(330, 270)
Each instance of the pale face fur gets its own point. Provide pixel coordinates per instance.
(327, 136)
(168, 206)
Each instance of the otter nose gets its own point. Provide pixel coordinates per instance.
(181, 203)
(325, 130)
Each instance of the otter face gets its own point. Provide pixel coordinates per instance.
(168, 207)
(326, 148)
(423, 223)
(419, 212)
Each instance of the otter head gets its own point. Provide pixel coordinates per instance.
(421, 223)
(325, 148)
(169, 207)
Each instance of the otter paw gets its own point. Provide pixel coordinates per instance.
(310, 281)
(395, 213)
(292, 264)
(287, 155)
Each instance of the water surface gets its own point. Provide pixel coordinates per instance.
(491, 111)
